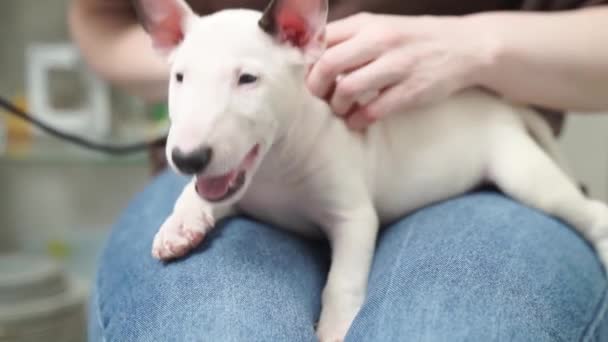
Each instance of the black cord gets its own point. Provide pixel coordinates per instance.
(109, 149)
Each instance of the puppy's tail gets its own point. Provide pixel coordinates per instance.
(542, 133)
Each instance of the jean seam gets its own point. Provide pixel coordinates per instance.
(394, 268)
(600, 313)
(391, 279)
(96, 302)
(98, 312)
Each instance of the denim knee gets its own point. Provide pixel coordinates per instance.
(482, 267)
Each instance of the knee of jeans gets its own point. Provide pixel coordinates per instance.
(158, 197)
(486, 258)
(490, 226)
(235, 284)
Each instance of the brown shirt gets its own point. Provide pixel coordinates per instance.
(342, 8)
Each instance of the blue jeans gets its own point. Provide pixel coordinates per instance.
(479, 267)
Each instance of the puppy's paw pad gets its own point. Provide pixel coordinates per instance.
(179, 235)
(332, 332)
(330, 338)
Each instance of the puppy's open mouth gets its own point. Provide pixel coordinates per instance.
(222, 187)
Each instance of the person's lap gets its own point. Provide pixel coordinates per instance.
(479, 267)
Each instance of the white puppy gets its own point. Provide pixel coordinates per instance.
(256, 141)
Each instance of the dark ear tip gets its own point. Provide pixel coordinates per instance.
(140, 15)
(266, 25)
(267, 22)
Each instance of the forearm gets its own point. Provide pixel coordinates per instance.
(557, 60)
(117, 48)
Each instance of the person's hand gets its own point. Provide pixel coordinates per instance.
(377, 65)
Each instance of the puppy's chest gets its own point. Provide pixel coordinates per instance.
(279, 203)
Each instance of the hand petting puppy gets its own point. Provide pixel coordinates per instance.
(404, 61)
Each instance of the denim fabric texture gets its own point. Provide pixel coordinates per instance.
(479, 267)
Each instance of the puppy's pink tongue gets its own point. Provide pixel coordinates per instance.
(214, 188)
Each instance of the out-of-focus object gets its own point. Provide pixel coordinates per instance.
(3, 135)
(39, 302)
(159, 114)
(92, 119)
(18, 132)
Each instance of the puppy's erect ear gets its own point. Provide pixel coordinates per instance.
(166, 21)
(300, 23)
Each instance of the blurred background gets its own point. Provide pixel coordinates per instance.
(58, 202)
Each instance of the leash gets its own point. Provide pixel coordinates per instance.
(79, 141)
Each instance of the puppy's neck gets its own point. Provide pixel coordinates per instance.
(302, 142)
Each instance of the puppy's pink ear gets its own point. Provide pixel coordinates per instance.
(165, 21)
(300, 23)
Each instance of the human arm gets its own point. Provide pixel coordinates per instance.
(555, 60)
(116, 47)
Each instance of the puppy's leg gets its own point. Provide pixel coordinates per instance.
(353, 239)
(186, 227)
(521, 169)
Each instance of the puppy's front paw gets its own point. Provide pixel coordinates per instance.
(332, 331)
(598, 234)
(181, 232)
(601, 248)
(337, 317)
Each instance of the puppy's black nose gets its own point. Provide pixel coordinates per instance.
(191, 163)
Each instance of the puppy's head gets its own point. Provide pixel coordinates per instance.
(236, 76)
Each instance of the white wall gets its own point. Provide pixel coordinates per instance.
(585, 143)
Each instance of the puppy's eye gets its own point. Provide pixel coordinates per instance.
(179, 77)
(247, 79)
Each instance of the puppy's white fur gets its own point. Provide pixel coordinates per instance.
(314, 176)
